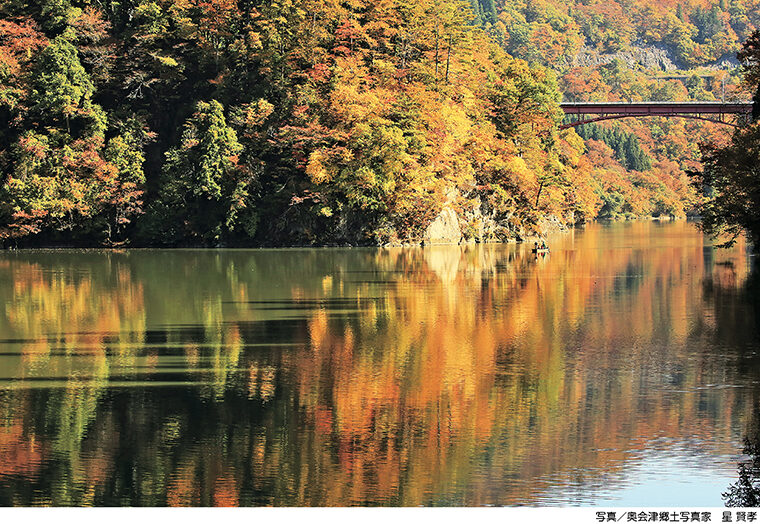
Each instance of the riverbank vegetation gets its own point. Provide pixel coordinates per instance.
(226, 122)
(730, 180)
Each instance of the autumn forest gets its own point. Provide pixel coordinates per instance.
(618, 367)
(327, 122)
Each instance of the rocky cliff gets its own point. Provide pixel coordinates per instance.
(647, 57)
(642, 56)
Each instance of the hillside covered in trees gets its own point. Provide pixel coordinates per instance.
(694, 32)
(641, 50)
(233, 122)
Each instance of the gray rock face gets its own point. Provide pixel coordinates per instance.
(478, 224)
(551, 224)
(444, 229)
(726, 62)
(648, 57)
(642, 56)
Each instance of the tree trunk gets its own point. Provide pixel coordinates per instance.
(448, 60)
(436, 56)
(540, 187)
(403, 53)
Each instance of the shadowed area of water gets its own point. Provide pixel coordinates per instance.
(620, 369)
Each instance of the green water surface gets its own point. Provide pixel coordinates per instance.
(620, 369)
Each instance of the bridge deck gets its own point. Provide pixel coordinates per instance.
(656, 108)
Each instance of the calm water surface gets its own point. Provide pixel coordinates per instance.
(621, 369)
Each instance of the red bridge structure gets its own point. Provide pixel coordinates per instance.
(718, 112)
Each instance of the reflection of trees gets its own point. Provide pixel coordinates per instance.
(452, 375)
(737, 310)
(60, 319)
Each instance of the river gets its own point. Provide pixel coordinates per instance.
(621, 369)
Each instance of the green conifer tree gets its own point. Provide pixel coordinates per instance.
(206, 191)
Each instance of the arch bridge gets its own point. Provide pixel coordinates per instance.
(717, 112)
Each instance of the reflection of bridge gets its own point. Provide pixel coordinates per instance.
(710, 111)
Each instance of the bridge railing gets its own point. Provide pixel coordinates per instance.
(655, 108)
(715, 111)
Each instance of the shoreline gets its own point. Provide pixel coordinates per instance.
(549, 227)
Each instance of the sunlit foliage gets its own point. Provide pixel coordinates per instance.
(729, 180)
(332, 122)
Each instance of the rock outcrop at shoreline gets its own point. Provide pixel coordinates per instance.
(444, 229)
(476, 227)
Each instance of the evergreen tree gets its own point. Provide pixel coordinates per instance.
(55, 15)
(62, 91)
(206, 192)
(487, 10)
(626, 146)
(680, 14)
(60, 180)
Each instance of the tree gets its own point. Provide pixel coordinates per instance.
(749, 56)
(124, 193)
(206, 193)
(730, 181)
(62, 91)
(353, 121)
(745, 493)
(730, 178)
(56, 14)
(64, 179)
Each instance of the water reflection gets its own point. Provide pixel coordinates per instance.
(739, 311)
(443, 376)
